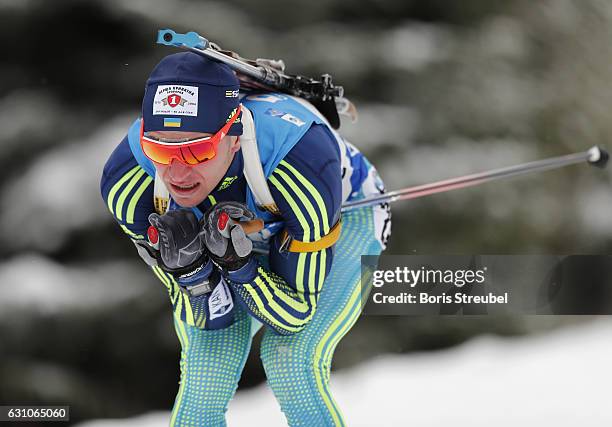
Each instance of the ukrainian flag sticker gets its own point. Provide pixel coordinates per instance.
(172, 122)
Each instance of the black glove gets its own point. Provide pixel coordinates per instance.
(181, 252)
(227, 244)
(181, 246)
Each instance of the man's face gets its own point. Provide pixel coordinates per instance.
(189, 185)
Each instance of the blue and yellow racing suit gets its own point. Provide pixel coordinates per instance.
(307, 300)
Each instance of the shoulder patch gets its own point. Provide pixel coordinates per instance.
(286, 116)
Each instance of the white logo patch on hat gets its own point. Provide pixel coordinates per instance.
(176, 100)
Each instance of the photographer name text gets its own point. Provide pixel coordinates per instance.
(411, 278)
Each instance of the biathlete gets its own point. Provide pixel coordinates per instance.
(193, 182)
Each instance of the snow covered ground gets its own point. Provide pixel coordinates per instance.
(557, 379)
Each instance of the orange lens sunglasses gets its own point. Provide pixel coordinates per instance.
(190, 152)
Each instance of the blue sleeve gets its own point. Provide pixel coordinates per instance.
(307, 188)
(127, 191)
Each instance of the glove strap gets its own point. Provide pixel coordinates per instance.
(197, 282)
(196, 290)
(203, 260)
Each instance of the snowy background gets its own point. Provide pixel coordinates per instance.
(557, 380)
(442, 87)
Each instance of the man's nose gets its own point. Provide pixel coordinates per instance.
(178, 170)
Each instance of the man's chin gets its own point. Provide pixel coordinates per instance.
(188, 201)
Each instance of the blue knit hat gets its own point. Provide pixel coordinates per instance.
(187, 92)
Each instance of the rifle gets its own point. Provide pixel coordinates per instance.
(269, 75)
